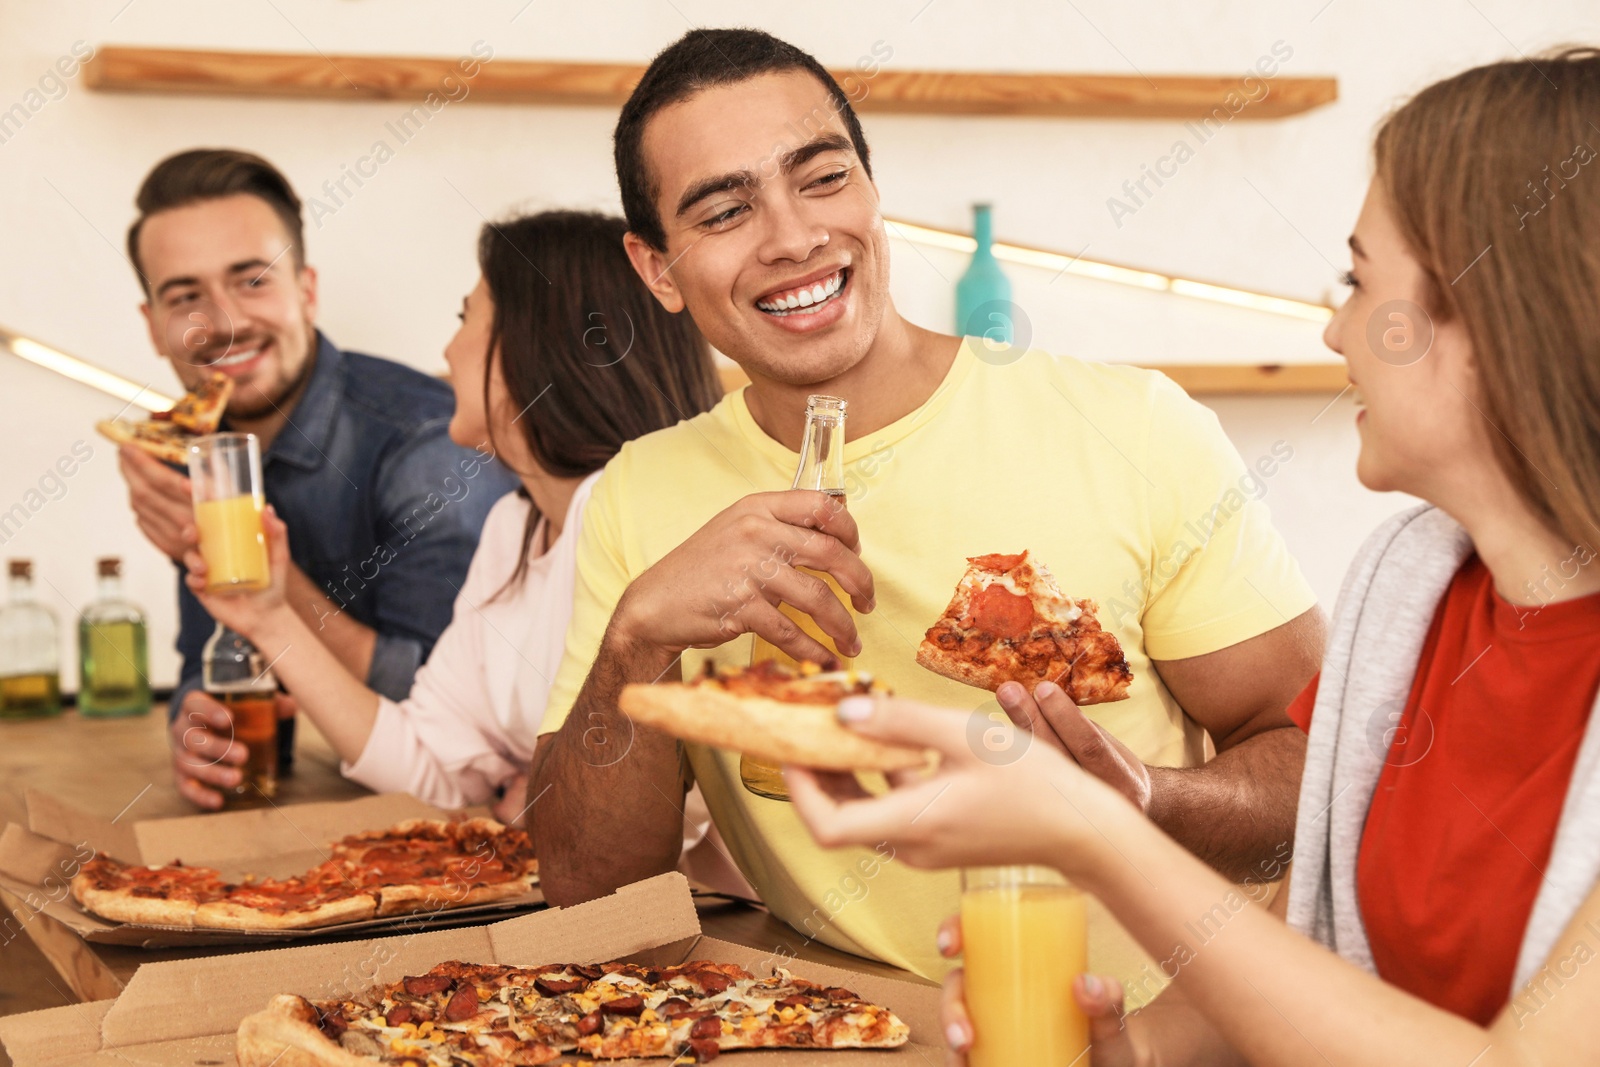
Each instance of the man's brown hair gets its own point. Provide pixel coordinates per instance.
(1493, 179)
(704, 59)
(208, 174)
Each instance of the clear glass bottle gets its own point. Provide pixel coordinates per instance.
(113, 650)
(30, 651)
(236, 674)
(821, 468)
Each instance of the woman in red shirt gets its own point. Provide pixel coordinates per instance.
(1448, 842)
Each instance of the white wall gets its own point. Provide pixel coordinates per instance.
(1262, 204)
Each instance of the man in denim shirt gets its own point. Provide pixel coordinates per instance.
(383, 510)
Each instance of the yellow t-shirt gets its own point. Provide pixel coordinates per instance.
(1109, 475)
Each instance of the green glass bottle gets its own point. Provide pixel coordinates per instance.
(113, 651)
(30, 664)
(983, 295)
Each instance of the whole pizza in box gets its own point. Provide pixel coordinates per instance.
(417, 865)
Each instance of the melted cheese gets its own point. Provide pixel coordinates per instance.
(1050, 602)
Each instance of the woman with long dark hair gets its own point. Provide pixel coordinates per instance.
(562, 357)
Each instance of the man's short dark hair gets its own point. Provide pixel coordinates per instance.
(702, 59)
(207, 174)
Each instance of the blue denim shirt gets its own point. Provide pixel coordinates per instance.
(383, 509)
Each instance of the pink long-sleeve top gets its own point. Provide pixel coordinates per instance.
(469, 724)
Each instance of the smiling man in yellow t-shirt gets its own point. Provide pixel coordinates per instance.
(745, 179)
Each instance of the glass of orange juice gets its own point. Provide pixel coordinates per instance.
(1024, 939)
(225, 476)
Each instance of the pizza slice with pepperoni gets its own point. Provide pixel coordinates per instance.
(1009, 621)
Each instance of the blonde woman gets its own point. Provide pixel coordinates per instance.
(1442, 907)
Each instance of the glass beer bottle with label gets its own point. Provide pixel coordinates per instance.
(235, 674)
(821, 468)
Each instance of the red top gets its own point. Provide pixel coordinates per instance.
(1467, 805)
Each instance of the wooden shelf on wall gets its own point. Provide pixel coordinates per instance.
(1205, 379)
(1224, 379)
(517, 81)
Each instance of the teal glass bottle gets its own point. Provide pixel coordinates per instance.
(983, 295)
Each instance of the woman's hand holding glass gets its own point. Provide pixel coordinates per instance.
(248, 613)
(1021, 800)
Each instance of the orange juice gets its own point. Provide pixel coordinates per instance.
(1023, 946)
(763, 779)
(233, 544)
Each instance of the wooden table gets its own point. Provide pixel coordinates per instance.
(119, 767)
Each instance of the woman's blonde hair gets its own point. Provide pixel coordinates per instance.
(1494, 179)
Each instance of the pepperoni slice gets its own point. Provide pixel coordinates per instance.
(710, 1026)
(629, 1005)
(1001, 612)
(673, 1006)
(402, 1014)
(704, 1050)
(589, 1024)
(423, 985)
(463, 1005)
(712, 982)
(555, 987)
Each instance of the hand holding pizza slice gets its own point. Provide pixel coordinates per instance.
(771, 712)
(167, 435)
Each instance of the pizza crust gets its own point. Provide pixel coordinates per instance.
(955, 668)
(401, 899)
(167, 447)
(231, 915)
(807, 735)
(120, 906)
(285, 1034)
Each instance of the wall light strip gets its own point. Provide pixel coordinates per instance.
(42, 355)
(1044, 259)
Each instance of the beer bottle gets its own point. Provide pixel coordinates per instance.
(234, 673)
(821, 468)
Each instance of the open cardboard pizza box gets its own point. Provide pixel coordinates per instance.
(37, 863)
(185, 1012)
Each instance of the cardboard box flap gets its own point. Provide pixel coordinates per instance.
(39, 861)
(57, 819)
(292, 834)
(636, 917)
(295, 837)
(191, 998)
(41, 1037)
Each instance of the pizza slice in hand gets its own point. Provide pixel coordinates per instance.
(167, 435)
(1009, 621)
(770, 712)
(200, 410)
